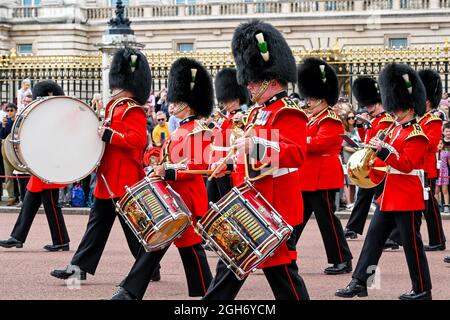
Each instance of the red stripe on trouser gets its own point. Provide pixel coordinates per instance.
(292, 283)
(417, 251)
(334, 228)
(199, 269)
(435, 214)
(56, 217)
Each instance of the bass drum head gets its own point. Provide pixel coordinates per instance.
(8, 151)
(59, 141)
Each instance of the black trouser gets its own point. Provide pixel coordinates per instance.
(322, 203)
(360, 211)
(284, 280)
(101, 220)
(31, 203)
(218, 187)
(22, 182)
(408, 225)
(196, 268)
(433, 217)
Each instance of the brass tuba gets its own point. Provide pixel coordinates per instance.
(358, 166)
(361, 162)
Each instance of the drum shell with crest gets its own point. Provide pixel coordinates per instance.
(56, 140)
(155, 213)
(243, 229)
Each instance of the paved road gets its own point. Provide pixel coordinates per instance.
(24, 273)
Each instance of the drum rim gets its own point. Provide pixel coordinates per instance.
(16, 147)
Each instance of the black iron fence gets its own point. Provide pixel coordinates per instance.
(81, 76)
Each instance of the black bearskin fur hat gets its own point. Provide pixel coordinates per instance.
(130, 71)
(401, 88)
(191, 83)
(261, 53)
(227, 87)
(44, 88)
(366, 91)
(433, 86)
(317, 79)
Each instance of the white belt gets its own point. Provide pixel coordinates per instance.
(220, 148)
(415, 172)
(281, 172)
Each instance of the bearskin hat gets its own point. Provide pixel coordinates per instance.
(433, 86)
(47, 87)
(366, 91)
(261, 53)
(401, 88)
(227, 87)
(130, 71)
(191, 83)
(317, 79)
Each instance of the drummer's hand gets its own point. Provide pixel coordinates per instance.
(220, 172)
(101, 131)
(4, 121)
(158, 171)
(243, 145)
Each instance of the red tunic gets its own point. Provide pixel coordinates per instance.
(381, 121)
(322, 169)
(403, 192)
(121, 164)
(432, 127)
(37, 185)
(283, 123)
(189, 145)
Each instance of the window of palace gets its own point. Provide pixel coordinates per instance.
(185, 47)
(397, 43)
(31, 3)
(25, 48)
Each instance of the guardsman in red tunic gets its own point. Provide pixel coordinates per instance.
(367, 93)
(321, 175)
(191, 91)
(401, 156)
(432, 126)
(273, 154)
(39, 192)
(232, 96)
(124, 132)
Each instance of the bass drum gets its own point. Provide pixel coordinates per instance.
(8, 152)
(56, 140)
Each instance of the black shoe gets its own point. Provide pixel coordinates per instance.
(339, 268)
(438, 247)
(349, 234)
(354, 288)
(11, 243)
(57, 247)
(391, 245)
(69, 272)
(156, 276)
(447, 259)
(122, 294)
(426, 295)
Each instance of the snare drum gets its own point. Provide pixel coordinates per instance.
(243, 229)
(56, 140)
(155, 213)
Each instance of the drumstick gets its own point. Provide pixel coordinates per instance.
(206, 172)
(230, 154)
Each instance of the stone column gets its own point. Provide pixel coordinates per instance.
(396, 5)
(434, 4)
(359, 5)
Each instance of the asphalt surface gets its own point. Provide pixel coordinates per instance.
(24, 273)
